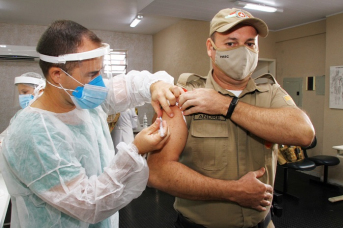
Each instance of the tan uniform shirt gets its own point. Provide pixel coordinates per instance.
(218, 148)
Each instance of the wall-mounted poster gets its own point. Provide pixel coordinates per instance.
(336, 87)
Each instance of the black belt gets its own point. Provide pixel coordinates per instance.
(182, 222)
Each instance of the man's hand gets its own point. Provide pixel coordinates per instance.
(252, 192)
(206, 101)
(163, 95)
(150, 139)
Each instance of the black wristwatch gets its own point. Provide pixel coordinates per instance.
(232, 107)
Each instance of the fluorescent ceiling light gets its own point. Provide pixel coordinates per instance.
(260, 7)
(136, 21)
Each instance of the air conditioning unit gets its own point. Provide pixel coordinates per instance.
(14, 52)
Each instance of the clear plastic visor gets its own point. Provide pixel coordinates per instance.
(26, 85)
(84, 66)
(29, 80)
(86, 70)
(82, 73)
(98, 52)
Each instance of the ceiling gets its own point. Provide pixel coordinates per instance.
(116, 15)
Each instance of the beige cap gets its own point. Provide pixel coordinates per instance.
(225, 19)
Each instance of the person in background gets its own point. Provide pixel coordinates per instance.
(221, 164)
(123, 130)
(30, 86)
(59, 162)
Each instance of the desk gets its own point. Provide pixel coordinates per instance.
(339, 150)
(339, 154)
(4, 200)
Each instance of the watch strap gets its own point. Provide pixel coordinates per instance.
(232, 107)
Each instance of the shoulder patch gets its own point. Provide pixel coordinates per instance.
(288, 99)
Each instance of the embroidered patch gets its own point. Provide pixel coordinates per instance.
(238, 14)
(287, 98)
(208, 117)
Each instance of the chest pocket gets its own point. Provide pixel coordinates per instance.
(208, 140)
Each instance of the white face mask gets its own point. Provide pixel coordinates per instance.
(237, 63)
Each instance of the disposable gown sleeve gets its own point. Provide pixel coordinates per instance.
(95, 198)
(131, 90)
(4, 133)
(2, 136)
(67, 187)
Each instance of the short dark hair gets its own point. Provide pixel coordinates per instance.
(63, 37)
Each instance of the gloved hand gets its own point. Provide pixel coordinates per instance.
(150, 139)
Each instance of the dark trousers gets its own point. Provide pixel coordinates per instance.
(182, 222)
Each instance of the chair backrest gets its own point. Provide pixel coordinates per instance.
(312, 145)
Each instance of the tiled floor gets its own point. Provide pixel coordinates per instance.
(154, 209)
(313, 209)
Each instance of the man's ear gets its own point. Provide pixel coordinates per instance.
(209, 47)
(55, 75)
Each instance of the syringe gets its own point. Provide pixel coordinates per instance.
(161, 128)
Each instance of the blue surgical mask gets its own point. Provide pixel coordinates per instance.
(88, 96)
(91, 95)
(24, 100)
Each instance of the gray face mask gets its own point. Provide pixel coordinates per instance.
(237, 63)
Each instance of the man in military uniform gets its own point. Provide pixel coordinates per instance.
(223, 175)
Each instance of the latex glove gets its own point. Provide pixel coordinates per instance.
(163, 95)
(149, 139)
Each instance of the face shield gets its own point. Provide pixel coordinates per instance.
(86, 86)
(28, 89)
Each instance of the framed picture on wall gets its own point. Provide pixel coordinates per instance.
(336, 87)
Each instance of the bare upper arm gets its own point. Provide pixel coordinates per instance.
(176, 141)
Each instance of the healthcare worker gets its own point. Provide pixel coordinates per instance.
(60, 165)
(123, 130)
(30, 86)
